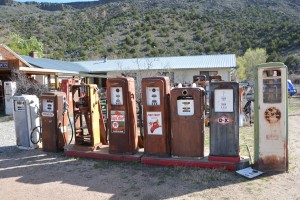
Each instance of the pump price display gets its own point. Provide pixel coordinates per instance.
(117, 121)
(154, 123)
(224, 100)
(116, 94)
(153, 96)
(48, 105)
(19, 105)
(8, 90)
(185, 107)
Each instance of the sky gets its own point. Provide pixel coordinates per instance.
(55, 1)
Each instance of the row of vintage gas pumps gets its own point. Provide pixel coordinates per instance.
(173, 119)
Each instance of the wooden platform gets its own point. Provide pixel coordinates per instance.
(103, 153)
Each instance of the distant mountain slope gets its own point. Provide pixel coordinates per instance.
(137, 28)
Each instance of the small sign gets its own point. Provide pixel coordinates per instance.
(154, 123)
(249, 172)
(153, 96)
(3, 65)
(47, 114)
(117, 121)
(116, 94)
(223, 100)
(185, 107)
(223, 120)
(8, 89)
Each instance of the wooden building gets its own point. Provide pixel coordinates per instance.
(11, 61)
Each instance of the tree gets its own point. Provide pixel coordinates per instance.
(293, 64)
(247, 62)
(25, 46)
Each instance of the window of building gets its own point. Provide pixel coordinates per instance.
(208, 73)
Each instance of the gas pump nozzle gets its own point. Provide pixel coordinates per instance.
(65, 107)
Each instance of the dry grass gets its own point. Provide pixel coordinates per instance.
(80, 178)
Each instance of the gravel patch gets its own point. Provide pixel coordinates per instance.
(7, 134)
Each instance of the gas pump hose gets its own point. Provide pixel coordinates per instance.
(72, 135)
(39, 136)
(63, 125)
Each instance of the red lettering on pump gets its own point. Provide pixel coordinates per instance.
(117, 118)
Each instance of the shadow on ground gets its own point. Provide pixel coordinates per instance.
(122, 180)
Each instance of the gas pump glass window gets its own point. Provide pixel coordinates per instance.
(272, 86)
(185, 106)
(19, 105)
(48, 105)
(223, 100)
(116, 94)
(153, 96)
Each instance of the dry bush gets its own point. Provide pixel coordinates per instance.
(27, 85)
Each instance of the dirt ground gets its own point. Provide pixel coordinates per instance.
(34, 174)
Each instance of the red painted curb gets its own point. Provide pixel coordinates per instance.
(224, 159)
(169, 162)
(104, 156)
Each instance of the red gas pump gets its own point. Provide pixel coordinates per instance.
(122, 120)
(155, 93)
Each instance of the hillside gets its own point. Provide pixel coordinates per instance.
(138, 28)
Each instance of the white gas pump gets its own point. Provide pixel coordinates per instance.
(271, 117)
(26, 119)
(9, 91)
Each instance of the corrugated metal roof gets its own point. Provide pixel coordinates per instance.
(179, 62)
(158, 63)
(54, 64)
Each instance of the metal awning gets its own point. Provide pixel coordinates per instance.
(46, 71)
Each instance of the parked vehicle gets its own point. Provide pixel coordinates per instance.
(291, 88)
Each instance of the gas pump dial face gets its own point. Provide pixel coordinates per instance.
(223, 100)
(116, 94)
(48, 105)
(19, 105)
(153, 96)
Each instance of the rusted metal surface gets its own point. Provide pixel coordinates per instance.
(200, 80)
(122, 120)
(272, 162)
(54, 121)
(272, 115)
(271, 153)
(224, 119)
(214, 78)
(187, 122)
(66, 86)
(86, 113)
(155, 99)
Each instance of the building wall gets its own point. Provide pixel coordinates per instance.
(180, 76)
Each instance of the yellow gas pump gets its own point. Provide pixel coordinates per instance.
(86, 116)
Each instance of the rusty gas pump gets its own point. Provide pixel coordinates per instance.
(122, 120)
(54, 121)
(200, 80)
(155, 98)
(187, 121)
(86, 116)
(66, 86)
